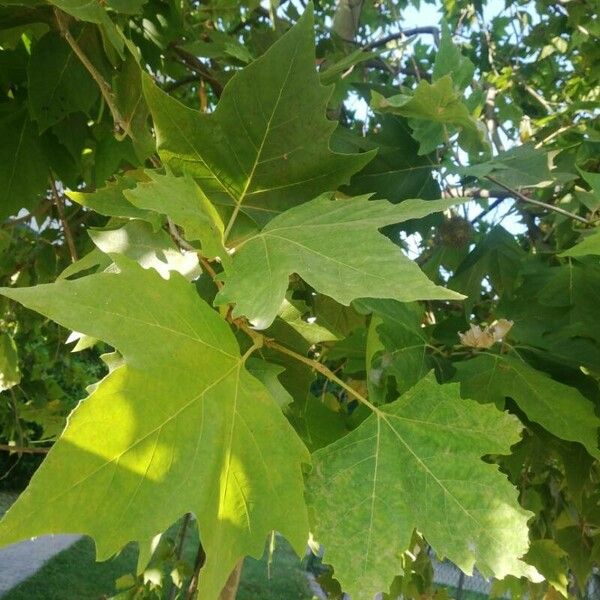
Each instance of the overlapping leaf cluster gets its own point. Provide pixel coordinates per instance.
(279, 361)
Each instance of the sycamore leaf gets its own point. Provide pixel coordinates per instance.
(186, 204)
(593, 180)
(498, 258)
(23, 167)
(549, 559)
(93, 12)
(416, 463)
(559, 408)
(589, 245)
(450, 61)
(311, 330)
(374, 366)
(58, 83)
(432, 108)
(149, 248)
(317, 421)
(93, 261)
(334, 72)
(397, 172)
(405, 352)
(519, 167)
(128, 7)
(180, 427)
(318, 241)
(221, 45)
(268, 374)
(575, 287)
(129, 97)
(110, 200)
(265, 148)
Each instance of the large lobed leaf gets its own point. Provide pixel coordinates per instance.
(181, 426)
(58, 82)
(23, 166)
(416, 463)
(335, 246)
(589, 245)
(432, 109)
(186, 204)
(557, 407)
(266, 146)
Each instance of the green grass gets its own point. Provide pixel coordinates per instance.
(74, 575)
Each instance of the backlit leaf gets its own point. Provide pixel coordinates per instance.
(559, 408)
(432, 109)
(317, 241)
(416, 463)
(180, 427)
(265, 148)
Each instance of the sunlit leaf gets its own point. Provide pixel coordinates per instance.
(147, 446)
(416, 463)
(317, 241)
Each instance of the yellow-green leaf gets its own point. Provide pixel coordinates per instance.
(180, 427)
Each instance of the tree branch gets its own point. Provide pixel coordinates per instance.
(60, 209)
(519, 196)
(200, 68)
(183, 244)
(105, 88)
(23, 449)
(432, 30)
(173, 85)
(489, 209)
(377, 63)
(321, 368)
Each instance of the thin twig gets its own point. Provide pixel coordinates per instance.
(536, 96)
(23, 449)
(321, 368)
(434, 31)
(173, 85)
(208, 268)
(60, 209)
(200, 68)
(104, 86)
(554, 134)
(519, 196)
(489, 209)
(183, 244)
